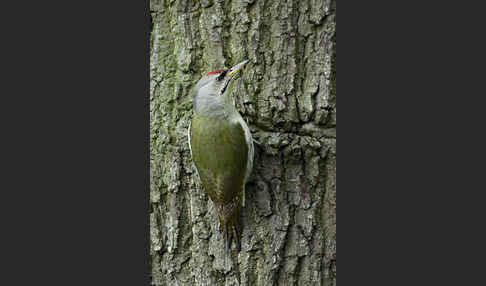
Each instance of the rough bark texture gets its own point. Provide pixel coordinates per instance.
(288, 96)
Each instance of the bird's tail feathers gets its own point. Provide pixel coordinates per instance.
(230, 229)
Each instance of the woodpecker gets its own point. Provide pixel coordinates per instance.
(221, 148)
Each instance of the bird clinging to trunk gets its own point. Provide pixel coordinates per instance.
(221, 147)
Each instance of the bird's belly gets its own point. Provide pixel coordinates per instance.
(220, 155)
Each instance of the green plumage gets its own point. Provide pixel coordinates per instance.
(220, 154)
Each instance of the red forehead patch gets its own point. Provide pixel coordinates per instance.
(214, 72)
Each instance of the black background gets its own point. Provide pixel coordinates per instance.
(74, 115)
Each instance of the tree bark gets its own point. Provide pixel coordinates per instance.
(287, 94)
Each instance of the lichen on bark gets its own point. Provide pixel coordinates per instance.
(288, 96)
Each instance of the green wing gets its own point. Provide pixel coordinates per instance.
(220, 154)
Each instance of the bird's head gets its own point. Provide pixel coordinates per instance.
(217, 83)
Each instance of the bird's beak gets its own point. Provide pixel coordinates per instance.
(234, 70)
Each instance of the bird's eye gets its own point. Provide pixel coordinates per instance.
(221, 75)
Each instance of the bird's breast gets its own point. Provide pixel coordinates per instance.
(220, 154)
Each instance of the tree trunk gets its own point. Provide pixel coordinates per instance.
(287, 95)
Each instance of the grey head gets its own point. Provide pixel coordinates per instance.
(211, 92)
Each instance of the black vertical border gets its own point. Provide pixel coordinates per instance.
(410, 87)
(75, 143)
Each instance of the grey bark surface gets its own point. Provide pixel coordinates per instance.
(287, 94)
